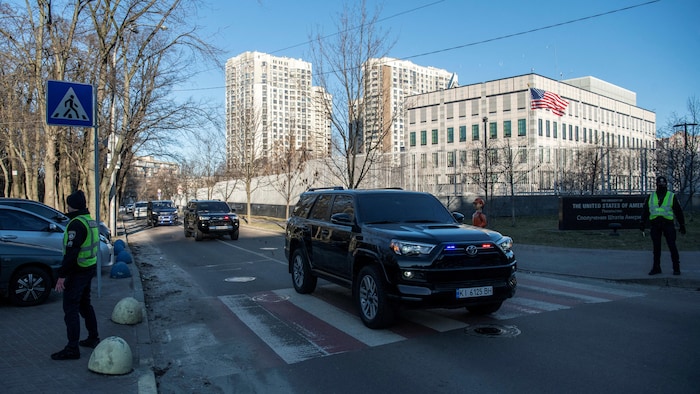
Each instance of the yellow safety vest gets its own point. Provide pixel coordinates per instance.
(88, 250)
(664, 210)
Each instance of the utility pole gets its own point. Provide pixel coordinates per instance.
(486, 163)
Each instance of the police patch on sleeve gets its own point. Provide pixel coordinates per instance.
(71, 236)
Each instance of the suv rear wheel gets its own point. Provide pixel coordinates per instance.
(234, 235)
(303, 279)
(376, 310)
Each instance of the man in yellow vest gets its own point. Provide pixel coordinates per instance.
(661, 210)
(81, 244)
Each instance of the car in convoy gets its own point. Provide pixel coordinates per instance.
(140, 209)
(48, 212)
(161, 212)
(20, 225)
(129, 208)
(395, 248)
(210, 218)
(28, 273)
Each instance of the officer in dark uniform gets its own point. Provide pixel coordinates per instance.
(81, 244)
(661, 209)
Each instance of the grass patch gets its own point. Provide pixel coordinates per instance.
(544, 230)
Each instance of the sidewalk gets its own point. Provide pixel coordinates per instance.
(30, 335)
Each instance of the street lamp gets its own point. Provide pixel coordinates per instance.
(486, 163)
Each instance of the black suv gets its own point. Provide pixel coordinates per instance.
(161, 212)
(212, 218)
(397, 247)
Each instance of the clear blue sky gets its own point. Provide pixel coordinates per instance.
(652, 49)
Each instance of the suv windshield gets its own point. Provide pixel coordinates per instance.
(162, 204)
(385, 207)
(213, 206)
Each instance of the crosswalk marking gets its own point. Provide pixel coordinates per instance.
(298, 327)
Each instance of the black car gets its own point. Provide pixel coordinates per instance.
(397, 248)
(28, 272)
(161, 212)
(212, 218)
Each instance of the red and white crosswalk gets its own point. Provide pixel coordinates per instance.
(300, 327)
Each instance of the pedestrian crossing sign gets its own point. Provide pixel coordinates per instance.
(69, 104)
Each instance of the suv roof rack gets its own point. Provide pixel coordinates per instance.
(313, 189)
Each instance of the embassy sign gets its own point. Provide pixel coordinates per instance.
(599, 212)
(69, 104)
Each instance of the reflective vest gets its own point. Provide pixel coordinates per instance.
(664, 210)
(88, 250)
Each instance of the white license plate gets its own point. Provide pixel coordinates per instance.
(470, 292)
(220, 227)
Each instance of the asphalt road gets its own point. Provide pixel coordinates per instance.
(224, 318)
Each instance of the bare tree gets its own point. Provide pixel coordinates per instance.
(246, 159)
(361, 116)
(679, 153)
(287, 168)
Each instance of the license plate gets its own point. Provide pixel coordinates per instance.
(220, 227)
(470, 292)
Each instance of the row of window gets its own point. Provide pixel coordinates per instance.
(475, 135)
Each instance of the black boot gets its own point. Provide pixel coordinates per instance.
(66, 354)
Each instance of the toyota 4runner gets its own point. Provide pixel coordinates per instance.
(397, 248)
(213, 218)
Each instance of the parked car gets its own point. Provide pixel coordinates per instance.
(140, 209)
(28, 273)
(161, 212)
(48, 212)
(211, 218)
(20, 225)
(397, 248)
(129, 208)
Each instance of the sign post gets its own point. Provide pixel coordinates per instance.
(74, 104)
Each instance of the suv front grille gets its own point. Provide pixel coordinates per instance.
(460, 258)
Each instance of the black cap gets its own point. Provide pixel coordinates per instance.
(661, 180)
(77, 200)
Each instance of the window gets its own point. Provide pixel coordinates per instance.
(506, 129)
(321, 208)
(563, 131)
(475, 132)
(434, 136)
(522, 127)
(539, 127)
(436, 163)
(547, 132)
(554, 130)
(423, 160)
(522, 154)
(462, 133)
(493, 130)
(450, 135)
(412, 138)
(450, 159)
(343, 204)
(423, 137)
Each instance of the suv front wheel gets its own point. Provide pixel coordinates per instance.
(376, 310)
(304, 281)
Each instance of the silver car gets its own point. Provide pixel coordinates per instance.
(141, 209)
(19, 225)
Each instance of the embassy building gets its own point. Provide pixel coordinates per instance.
(529, 134)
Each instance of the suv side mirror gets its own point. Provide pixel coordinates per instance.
(458, 217)
(341, 218)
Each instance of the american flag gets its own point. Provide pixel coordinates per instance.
(548, 100)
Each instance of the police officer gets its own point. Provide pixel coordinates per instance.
(660, 209)
(81, 244)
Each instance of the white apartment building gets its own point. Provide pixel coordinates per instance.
(389, 81)
(270, 105)
(603, 142)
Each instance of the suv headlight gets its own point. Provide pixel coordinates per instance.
(505, 243)
(408, 248)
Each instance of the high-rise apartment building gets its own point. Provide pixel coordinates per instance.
(271, 108)
(389, 82)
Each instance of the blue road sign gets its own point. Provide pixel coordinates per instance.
(69, 104)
